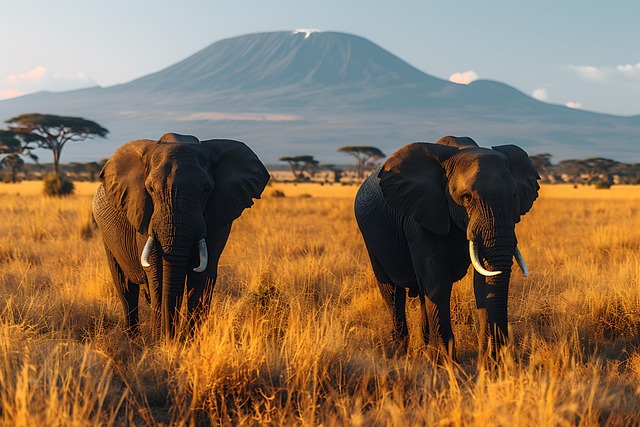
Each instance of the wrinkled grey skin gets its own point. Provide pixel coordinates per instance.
(417, 213)
(177, 190)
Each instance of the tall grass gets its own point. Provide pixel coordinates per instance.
(297, 332)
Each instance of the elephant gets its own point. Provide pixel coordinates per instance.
(427, 213)
(165, 209)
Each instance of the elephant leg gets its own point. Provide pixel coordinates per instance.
(395, 298)
(129, 293)
(436, 327)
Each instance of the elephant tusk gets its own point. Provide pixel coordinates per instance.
(144, 258)
(204, 256)
(473, 253)
(521, 263)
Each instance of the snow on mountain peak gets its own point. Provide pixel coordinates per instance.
(307, 31)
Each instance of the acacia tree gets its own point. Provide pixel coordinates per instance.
(300, 164)
(93, 168)
(13, 162)
(9, 142)
(52, 132)
(11, 145)
(293, 164)
(363, 154)
(337, 171)
(542, 163)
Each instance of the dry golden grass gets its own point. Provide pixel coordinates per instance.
(297, 331)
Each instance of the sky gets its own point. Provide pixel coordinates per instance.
(583, 54)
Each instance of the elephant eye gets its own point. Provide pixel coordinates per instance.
(206, 191)
(466, 198)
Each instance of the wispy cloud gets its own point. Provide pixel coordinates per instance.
(464, 77)
(572, 104)
(618, 73)
(628, 70)
(540, 94)
(41, 78)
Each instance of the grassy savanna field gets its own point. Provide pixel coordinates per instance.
(297, 331)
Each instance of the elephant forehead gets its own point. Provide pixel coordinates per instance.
(176, 154)
(476, 160)
(482, 168)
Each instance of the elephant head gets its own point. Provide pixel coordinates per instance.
(481, 192)
(177, 192)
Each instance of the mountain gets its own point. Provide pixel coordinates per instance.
(298, 93)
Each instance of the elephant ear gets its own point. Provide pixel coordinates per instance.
(238, 175)
(524, 173)
(413, 182)
(123, 177)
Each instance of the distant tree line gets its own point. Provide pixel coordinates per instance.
(305, 167)
(594, 170)
(28, 132)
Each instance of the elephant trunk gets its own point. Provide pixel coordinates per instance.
(177, 238)
(497, 299)
(498, 258)
(174, 273)
(492, 248)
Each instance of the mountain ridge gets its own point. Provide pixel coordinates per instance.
(285, 93)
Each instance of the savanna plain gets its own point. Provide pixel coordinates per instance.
(298, 334)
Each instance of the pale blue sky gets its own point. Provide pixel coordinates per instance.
(562, 51)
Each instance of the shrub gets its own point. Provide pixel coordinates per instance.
(57, 185)
(602, 185)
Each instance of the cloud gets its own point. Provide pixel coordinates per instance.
(10, 93)
(588, 72)
(464, 77)
(607, 74)
(572, 104)
(35, 75)
(630, 71)
(540, 94)
(40, 78)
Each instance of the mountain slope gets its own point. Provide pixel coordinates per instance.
(286, 93)
(274, 60)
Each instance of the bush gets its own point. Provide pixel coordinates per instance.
(602, 185)
(57, 185)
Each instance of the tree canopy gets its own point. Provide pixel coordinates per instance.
(9, 142)
(300, 164)
(363, 154)
(52, 132)
(13, 162)
(11, 145)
